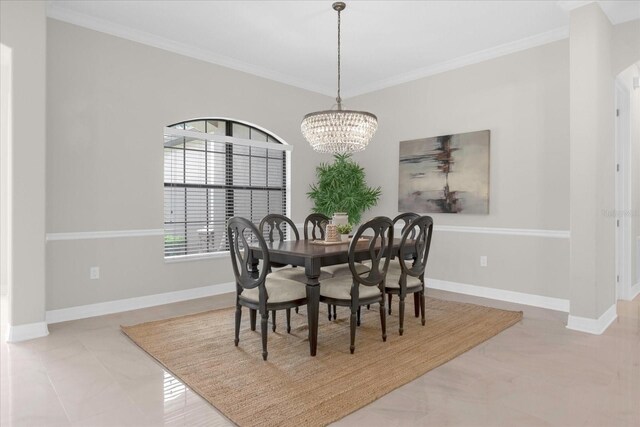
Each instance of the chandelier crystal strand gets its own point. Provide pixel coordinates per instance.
(339, 131)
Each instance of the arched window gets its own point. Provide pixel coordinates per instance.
(215, 169)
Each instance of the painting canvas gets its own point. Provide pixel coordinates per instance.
(445, 174)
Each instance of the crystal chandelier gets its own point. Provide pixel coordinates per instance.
(339, 131)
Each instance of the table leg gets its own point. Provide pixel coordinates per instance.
(313, 304)
(313, 307)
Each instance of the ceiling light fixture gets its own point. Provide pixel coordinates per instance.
(339, 131)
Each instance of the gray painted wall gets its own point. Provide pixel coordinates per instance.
(109, 98)
(523, 99)
(23, 30)
(108, 101)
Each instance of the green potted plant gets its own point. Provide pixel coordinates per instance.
(342, 187)
(344, 230)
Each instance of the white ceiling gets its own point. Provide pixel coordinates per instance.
(383, 42)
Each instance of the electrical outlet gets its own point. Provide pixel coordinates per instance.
(483, 261)
(94, 273)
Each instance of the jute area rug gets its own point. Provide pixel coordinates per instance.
(295, 389)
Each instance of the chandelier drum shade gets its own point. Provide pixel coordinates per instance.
(339, 131)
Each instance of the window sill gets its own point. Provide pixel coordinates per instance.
(196, 257)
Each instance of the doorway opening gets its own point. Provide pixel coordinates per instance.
(625, 215)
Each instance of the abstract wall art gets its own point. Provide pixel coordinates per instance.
(445, 174)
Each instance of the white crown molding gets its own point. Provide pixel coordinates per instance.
(593, 326)
(550, 303)
(55, 11)
(118, 306)
(531, 232)
(26, 332)
(569, 5)
(83, 235)
(463, 61)
(58, 12)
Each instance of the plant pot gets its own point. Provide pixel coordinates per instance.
(340, 218)
(344, 237)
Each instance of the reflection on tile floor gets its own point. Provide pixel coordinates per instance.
(87, 373)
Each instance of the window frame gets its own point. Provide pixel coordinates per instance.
(229, 140)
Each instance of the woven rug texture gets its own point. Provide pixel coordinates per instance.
(294, 389)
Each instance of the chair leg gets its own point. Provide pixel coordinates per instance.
(416, 304)
(422, 304)
(401, 314)
(358, 316)
(288, 320)
(335, 315)
(368, 306)
(390, 296)
(264, 327)
(238, 318)
(352, 324)
(329, 310)
(383, 321)
(296, 310)
(252, 318)
(273, 316)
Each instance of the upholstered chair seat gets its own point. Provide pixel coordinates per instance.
(394, 267)
(344, 270)
(393, 281)
(278, 290)
(340, 288)
(298, 274)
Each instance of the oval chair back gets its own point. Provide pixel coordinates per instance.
(241, 233)
(378, 247)
(415, 244)
(318, 224)
(278, 223)
(407, 218)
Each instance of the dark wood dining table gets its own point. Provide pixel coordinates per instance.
(310, 256)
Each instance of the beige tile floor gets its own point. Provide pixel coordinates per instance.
(86, 373)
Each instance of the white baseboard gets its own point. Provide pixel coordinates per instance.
(593, 326)
(549, 303)
(117, 306)
(26, 332)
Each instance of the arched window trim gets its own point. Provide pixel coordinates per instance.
(240, 122)
(229, 140)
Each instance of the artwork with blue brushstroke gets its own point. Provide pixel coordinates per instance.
(445, 174)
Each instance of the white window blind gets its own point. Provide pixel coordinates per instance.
(214, 170)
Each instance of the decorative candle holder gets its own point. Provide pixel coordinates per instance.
(331, 233)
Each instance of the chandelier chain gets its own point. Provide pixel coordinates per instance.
(339, 99)
(339, 131)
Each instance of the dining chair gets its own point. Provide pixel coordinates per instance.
(318, 224)
(274, 226)
(407, 218)
(412, 257)
(394, 266)
(279, 223)
(256, 289)
(360, 289)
